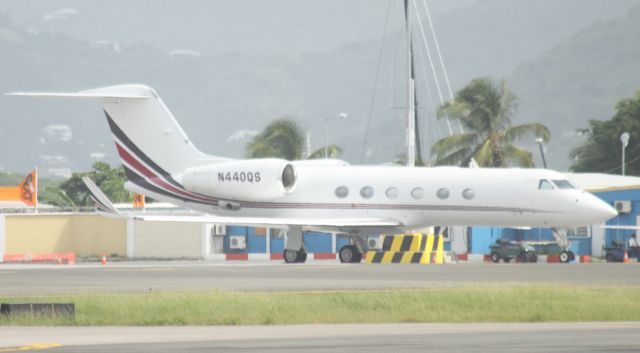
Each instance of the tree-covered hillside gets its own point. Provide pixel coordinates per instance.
(579, 54)
(580, 80)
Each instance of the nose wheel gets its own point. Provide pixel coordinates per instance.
(350, 254)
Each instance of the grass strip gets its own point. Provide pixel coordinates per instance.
(525, 303)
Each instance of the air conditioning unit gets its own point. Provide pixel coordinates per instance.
(219, 229)
(622, 206)
(374, 243)
(237, 242)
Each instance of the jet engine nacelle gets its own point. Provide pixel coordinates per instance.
(253, 179)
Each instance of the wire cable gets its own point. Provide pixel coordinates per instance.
(375, 84)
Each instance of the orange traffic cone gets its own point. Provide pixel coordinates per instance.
(626, 257)
(104, 260)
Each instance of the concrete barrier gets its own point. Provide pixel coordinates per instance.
(55, 258)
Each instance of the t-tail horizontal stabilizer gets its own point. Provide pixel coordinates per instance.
(101, 201)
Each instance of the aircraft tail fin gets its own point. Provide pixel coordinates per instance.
(152, 146)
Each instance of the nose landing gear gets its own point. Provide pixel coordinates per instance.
(350, 254)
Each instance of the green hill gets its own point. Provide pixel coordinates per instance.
(580, 80)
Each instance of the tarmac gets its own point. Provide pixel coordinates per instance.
(124, 277)
(518, 337)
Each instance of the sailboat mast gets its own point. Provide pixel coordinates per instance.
(410, 134)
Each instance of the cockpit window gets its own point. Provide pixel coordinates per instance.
(563, 184)
(545, 185)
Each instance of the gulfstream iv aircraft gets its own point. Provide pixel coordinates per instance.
(329, 195)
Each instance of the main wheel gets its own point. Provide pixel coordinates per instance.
(302, 255)
(350, 254)
(495, 257)
(564, 257)
(610, 258)
(290, 256)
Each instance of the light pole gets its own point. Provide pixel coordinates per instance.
(624, 138)
(340, 116)
(544, 160)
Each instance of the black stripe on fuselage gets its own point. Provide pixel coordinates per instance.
(143, 183)
(117, 132)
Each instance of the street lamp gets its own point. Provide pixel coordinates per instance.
(624, 138)
(340, 116)
(539, 141)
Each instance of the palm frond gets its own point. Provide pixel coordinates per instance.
(333, 152)
(532, 129)
(484, 155)
(458, 157)
(447, 144)
(518, 156)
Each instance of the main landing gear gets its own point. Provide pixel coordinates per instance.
(294, 250)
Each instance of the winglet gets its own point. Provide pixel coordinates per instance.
(101, 201)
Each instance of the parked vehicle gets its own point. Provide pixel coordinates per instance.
(506, 250)
(615, 252)
(553, 248)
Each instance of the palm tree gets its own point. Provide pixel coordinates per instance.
(283, 138)
(485, 110)
(333, 152)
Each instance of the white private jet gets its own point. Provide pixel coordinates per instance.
(327, 195)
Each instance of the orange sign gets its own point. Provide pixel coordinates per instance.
(29, 189)
(138, 200)
(26, 192)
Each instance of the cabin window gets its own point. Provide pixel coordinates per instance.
(366, 192)
(392, 192)
(442, 193)
(417, 193)
(468, 194)
(563, 184)
(545, 185)
(342, 192)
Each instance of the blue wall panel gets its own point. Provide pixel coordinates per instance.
(317, 242)
(632, 195)
(256, 243)
(277, 244)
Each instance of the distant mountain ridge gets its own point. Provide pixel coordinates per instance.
(572, 76)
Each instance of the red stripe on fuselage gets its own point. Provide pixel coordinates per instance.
(152, 176)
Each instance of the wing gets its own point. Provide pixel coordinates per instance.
(621, 227)
(320, 224)
(340, 225)
(101, 201)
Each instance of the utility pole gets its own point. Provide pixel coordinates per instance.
(624, 138)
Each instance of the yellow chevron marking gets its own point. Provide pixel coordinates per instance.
(426, 258)
(429, 247)
(369, 258)
(388, 256)
(396, 243)
(416, 239)
(406, 257)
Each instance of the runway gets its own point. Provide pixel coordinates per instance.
(314, 276)
(551, 337)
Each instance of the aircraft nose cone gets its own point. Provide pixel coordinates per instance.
(609, 211)
(604, 210)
